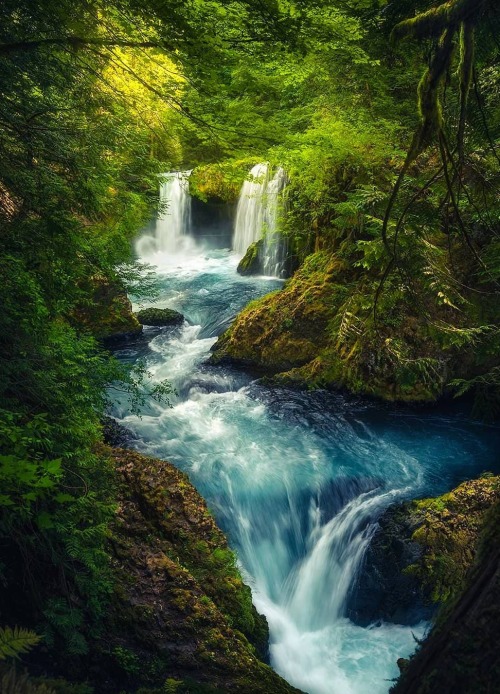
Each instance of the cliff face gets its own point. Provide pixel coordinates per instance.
(181, 617)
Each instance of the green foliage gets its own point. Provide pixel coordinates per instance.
(16, 641)
(97, 102)
(127, 660)
(12, 682)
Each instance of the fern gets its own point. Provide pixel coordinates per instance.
(13, 682)
(14, 642)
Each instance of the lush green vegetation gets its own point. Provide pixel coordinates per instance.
(398, 205)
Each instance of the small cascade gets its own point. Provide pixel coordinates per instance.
(172, 233)
(175, 222)
(274, 250)
(257, 217)
(250, 212)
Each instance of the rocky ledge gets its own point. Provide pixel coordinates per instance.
(461, 654)
(421, 554)
(320, 331)
(181, 618)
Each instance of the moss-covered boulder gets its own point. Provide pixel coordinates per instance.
(461, 653)
(250, 264)
(159, 316)
(109, 312)
(448, 530)
(420, 555)
(181, 614)
(320, 331)
(284, 330)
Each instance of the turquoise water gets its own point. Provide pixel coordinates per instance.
(297, 480)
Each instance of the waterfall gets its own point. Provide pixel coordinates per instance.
(250, 212)
(274, 247)
(175, 222)
(257, 217)
(172, 233)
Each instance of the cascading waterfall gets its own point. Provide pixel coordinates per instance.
(173, 227)
(257, 217)
(297, 480)
(250, 211)
(274, 247)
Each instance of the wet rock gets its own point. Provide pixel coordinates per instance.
(115, 434)
(159, 317)
(402, 664)
(421, 553)
(180, 612)
(307, 335)
(251, 264)
(461, 654)
(386, 590)
(109, 314)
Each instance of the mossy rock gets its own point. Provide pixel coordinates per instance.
(159, 316)
(421, 554)
(250, 264)
(181, 613)
(109, 312)
(448, 529)
(318, 332)
(385, 590)
(461, 653)
(220, 182)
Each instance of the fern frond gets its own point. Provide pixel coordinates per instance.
(14, 642)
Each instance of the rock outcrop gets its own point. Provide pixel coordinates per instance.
(320, 331)
(250, 264)
(461, 654)
(159, 316)
(421, 554)
(181, 616)
(109, 313)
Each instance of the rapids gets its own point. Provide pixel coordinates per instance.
(297, 480)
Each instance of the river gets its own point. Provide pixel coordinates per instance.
(297, 480)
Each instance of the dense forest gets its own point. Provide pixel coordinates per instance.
(381, 121)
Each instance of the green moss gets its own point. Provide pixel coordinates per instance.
(318, 331)
(448, 529)
(250, 263)
(220, 182)
(180, 604)
(461, 652)
(159, 316)
(109, 312)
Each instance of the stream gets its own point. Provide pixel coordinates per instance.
(297, 480)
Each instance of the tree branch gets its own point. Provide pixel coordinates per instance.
(77, 42)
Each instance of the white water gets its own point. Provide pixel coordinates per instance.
(297, 480)
(257, 217)
(173, 227)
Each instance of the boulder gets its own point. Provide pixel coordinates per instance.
(250, 264)
(109, 313)
(159, 316)
(180, 614)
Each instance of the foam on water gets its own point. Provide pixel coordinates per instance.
(297, 480)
